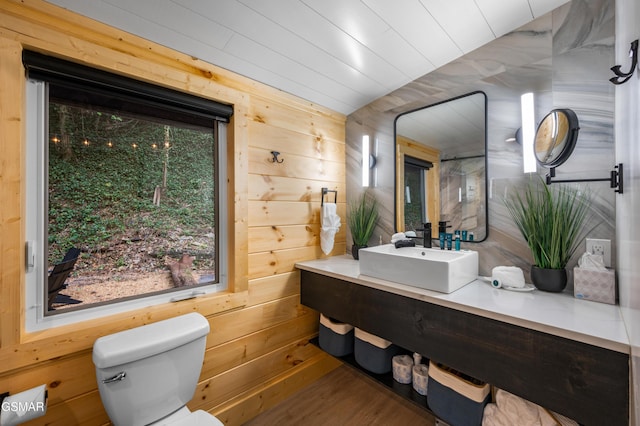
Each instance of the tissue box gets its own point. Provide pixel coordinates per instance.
(334, 337)
(374, 353)
(595, 285)
(456, 398)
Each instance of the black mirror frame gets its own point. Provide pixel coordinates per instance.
(572, 137)
(486, 163)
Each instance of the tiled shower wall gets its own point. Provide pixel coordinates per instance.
(564, 58)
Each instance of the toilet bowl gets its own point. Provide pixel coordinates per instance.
(147, 375)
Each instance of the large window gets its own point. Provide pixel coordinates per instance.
(123, 193)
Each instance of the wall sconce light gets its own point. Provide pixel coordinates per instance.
(368, 160)
(528, 132)
(365, 160)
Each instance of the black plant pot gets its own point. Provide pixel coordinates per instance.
(354, 251)
(553, 280)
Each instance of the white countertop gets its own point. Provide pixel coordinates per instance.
(560, 314)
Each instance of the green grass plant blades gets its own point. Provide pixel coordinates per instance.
(550, 220)
(363, 216)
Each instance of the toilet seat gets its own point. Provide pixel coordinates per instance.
(184, 417)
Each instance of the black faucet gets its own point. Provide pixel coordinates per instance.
(426, 235)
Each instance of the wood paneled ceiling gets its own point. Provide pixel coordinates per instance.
(341, 54)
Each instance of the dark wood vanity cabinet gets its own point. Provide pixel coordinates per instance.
(587, 383)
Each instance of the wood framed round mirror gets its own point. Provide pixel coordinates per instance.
(556, 137)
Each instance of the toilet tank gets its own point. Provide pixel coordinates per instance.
(148, 372)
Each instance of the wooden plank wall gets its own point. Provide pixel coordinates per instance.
(258, 351)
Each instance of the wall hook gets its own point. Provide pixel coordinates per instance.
(275, 157)
(623, 77)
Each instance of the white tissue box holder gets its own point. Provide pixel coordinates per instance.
(594, 285)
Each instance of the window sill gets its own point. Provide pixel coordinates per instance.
(55, 342)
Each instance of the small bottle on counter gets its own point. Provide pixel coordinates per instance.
(457, 242)
(449, 241)
(442, 232)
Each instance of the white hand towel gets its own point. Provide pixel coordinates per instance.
(509, 410)
(398, 236)
(329, 225)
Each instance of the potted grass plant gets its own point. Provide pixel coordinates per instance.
(551, 221)
(363, 215)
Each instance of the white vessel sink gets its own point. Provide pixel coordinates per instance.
(429, 268)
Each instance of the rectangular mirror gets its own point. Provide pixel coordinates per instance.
(441, 167)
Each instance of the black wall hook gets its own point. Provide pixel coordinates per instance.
(623, 77)
(275, 157)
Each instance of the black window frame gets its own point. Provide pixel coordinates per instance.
(79, 84)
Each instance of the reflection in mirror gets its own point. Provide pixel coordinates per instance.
(441, 166)
(416, 210)
(556, 137)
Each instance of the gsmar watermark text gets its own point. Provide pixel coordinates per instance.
(22, 407)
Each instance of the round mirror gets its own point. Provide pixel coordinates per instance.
(556, 137)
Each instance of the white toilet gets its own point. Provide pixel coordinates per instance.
(146, 375)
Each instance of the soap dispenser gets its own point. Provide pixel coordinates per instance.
(426, 235)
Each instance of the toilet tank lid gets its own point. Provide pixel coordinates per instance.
(148, 340)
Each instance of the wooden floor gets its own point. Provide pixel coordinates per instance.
(344, 397)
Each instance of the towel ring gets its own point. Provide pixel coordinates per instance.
(325, 191)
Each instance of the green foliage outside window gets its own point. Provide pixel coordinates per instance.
(104, 170)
